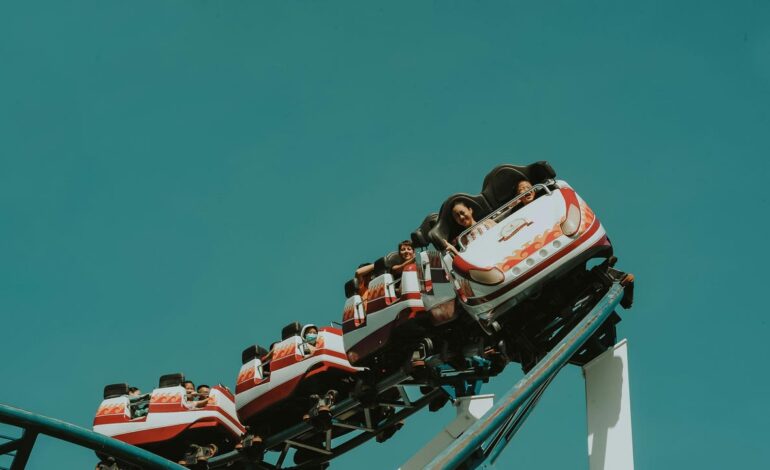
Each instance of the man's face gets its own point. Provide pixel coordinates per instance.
(463, 215)
(406, 252)
(525, 186)
(189, 388)
(203, 391)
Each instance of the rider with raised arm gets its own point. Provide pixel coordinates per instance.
(363, 275)
(406, 252)
(139, 403)
(192, 394)
(522, 187)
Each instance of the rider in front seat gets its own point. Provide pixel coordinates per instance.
(463, 215)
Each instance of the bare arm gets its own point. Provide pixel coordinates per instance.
(397, 269)
(450, 248)
(364, 270)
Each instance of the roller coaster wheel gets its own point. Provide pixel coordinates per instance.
(364, 390)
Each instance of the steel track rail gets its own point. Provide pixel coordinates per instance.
(463, 450)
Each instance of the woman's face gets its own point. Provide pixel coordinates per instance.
(463, 215)
(525, 186)
(406, 252)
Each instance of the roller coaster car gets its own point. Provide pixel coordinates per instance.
(168, 421)
(516, 247)
(277, 389)
(386, 313)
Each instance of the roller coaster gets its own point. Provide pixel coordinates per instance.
(522, 272)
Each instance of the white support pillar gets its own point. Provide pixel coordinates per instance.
(608, 405)
(469, 410)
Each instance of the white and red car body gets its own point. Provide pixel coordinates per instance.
(510, 260)
(258, 392)
(170, 415)
(369, 323)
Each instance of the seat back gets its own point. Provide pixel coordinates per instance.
(380, 267)
(392, 259)
(350, 288)
(381, 293)
(292, 329)
(170, 380)
(115, 390)
(420, 235)
(252, 352)
(353, 311)
(251, 370)
(499, 185)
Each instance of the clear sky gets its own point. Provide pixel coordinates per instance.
(179, 179)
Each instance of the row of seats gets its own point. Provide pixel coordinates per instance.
(498, 188)
(168, 380)
(292, 329)
(381, 266)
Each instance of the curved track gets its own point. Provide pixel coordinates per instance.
(19, 449)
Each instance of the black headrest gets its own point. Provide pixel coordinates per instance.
(379, 267)
(499, 185)
(446, 228)
(393, 258)
(252, 352)
(292, 329)
(170, 380)
(350, 288)
(115, 390)
(420, 236)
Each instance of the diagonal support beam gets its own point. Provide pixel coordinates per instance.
(8, 447)
(24, 449)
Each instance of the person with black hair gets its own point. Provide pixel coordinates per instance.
(522, 187)
(189, 387)
(138, 404)
(406, 252)
(462, 214)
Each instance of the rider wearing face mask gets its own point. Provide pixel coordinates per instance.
(310, 336)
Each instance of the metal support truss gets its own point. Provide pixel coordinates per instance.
(34, 424)
(363, 437)
(469, 450)
(293, 434)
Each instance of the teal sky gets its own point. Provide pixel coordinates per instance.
(180, 179)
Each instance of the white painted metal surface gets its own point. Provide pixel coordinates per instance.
(608, 405)
(469, 410)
